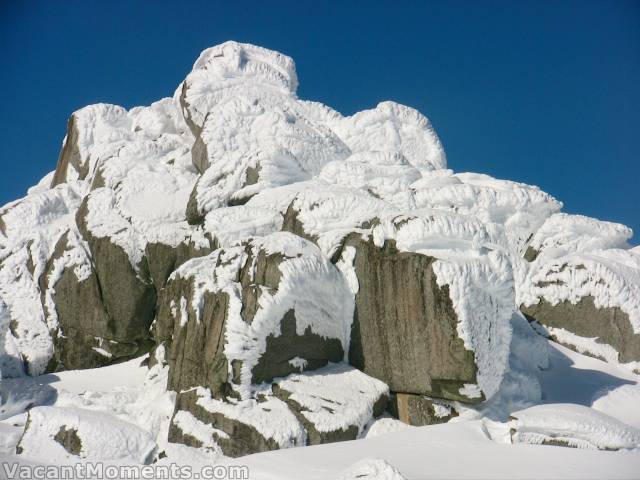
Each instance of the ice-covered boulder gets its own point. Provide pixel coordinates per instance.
(62, 434)
(233, 426)
(253, 312)
(30, 228)
(333, 403)
(433, 301)
(565, 425)
(589, 302)
(420, 410)
(393, 128)
(517, 209)
(371, 469)
(563, 234)
(239, 101)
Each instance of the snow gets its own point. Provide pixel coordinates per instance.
(621, 403)
(577, 425)
(391, 127)
(415, 452)
(229, 225)
(562, 234)
(127, 443)
(374, 469)
(335, 397)
(520, 209)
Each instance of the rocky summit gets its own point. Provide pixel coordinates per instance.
(288, 275)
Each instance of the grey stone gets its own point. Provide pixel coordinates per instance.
(70, 155)
(404, 330)
(418, 410)
(243, 439)
(128, 296)
(69, 440)
(85, 328)
(608, 325)
(164, 259)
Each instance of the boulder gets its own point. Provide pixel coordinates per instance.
(404, 330)
(586, 301)
(234, 427)
(419, 410)
(591, 329)
(85, 336)
(249, 311)
(565, 425)
(333, 403)
(121, 269)
(76, 435)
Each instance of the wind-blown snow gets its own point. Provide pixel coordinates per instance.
(562, 234)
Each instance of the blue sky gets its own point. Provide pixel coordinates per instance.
(544, 92)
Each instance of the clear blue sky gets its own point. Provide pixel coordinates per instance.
(544, 92)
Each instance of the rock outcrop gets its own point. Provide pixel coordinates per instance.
(300, 269)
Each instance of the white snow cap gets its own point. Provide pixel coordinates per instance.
(232, 60)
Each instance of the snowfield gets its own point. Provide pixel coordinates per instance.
(236, 276)
(469, 448)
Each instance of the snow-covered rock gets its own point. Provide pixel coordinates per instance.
(371, 469)
(590, 302)
(333, 403)
(251, 238)
(566, 425)
(272, 300)
(56, 434)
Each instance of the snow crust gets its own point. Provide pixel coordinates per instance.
(372, 469)
(335, 397)
(576, 425)
(127, 443)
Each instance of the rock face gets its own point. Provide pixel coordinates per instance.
(404, 329)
